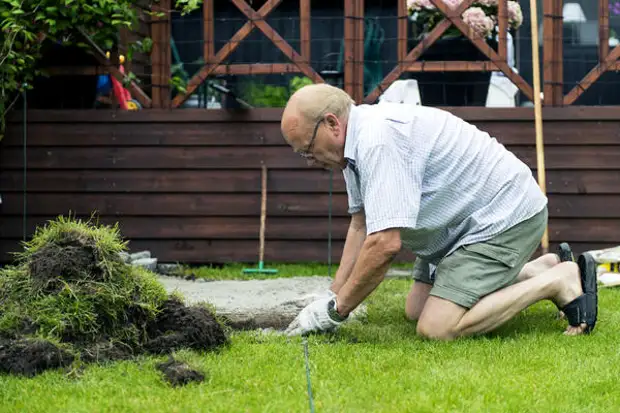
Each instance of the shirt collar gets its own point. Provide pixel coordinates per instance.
(351, 135)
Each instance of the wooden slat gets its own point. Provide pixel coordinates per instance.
(282, 228)
(358, 51)
(349, 47)
(158, 205)
(209, 33)
(231, 251)
(403, 36)
(216, 228)
(291, 205)
(223, 53)
(603, 30)
(278, 40)
(248, 181)
(155, 134)
(233, 157)
(220, 251)
(268, 133)
(457, 20)
(256, 69)
(178, 181)
(239, 157)
(592, 76)
(472, 114)
(502, 19)
(548, 55)
(452, 66)
(305, 30)
(571, 157)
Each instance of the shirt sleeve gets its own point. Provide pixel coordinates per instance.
(353, 191)
(391, 190)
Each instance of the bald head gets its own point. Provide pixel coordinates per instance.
(308, 105)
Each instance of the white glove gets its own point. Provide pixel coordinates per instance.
(309, 298)
(313, 318)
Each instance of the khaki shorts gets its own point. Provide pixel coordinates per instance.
(475, 270)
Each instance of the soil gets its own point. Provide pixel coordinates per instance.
(29, 357)
(72, 262)
(178, 373)
(179, 326)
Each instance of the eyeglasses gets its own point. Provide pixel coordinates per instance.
(306, 153)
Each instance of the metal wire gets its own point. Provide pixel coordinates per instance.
(310, 398)
(329, 225)
(24, 226)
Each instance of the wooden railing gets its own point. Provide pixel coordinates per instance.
(353, 62)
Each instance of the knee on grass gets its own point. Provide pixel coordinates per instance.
(433, 331)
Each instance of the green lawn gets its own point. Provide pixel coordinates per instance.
(378, 366)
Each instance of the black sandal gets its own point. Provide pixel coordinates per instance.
(565, 253)
(584, 309)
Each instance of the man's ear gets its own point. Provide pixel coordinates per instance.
(331, 120)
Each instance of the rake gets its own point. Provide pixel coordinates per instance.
(263, 211)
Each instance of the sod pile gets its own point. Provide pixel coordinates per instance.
(70, 297)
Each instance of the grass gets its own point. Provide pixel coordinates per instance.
(235, 271)
(379, 365)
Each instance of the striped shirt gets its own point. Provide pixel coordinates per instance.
(441, 180)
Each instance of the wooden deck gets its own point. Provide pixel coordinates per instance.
(185, 184)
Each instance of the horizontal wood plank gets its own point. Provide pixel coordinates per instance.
(248, 181)
(171, 181)
(139, 134)
(221, 157)
(283, 228)
(240, 157)
(276, 228)
(269, 133)
(230, 251)
(291, 205)
(157, 205)
(569, 113)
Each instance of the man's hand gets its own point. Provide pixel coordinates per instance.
(314, 318)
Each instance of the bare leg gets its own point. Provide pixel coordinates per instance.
(416, 299)
(442, 319)
(538, 266)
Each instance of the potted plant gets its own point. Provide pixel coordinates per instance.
(457, 88)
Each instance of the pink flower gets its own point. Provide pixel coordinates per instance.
(478, 21)
(515, 16)
(415, 5)
(453, 3)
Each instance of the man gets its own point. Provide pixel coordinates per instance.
(423, 179)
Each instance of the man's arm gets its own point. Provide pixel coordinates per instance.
(352, 246)
(378, 251)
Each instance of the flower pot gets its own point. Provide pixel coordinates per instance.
(453, 88)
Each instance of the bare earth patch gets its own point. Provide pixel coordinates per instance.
(252, 304)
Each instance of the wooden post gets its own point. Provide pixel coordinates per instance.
(552, 52)
(354, 49)
(349, 27)
(161, 56)
(603, 30)
(358, 56)
(208, 35)
(304, 30)
(402, 30)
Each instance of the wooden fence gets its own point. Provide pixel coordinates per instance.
(408, 60)
(186, 184)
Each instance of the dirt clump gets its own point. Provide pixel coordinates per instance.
(70, 296)
(29, 357)
(178, 373)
